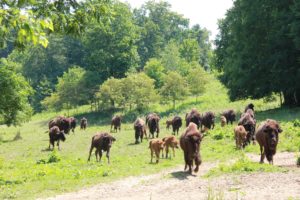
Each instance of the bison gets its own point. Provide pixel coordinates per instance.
(240, 135)
(63, 123)
(176, 124)
(249, 106)
(249, 123)
(73, 122)
(102, 142)
(229, 115)
(140, 130)
(156, 145)
(190, 144)
(170, 142)
(223, 121)
(55, 135)
(116, 122)
(152, 120)
(193, 116)
(83, 123)
(208, 120)
(168, 123)
(267, 138)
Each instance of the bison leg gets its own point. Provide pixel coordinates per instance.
(100, 155)
(151, 155)
(91, 149)
(167, 151)
(107, 156)
(197, 163)
(173, 151)
(157, 156)
(96, 154)
(262, 154)
(185, 160)
(58, 145)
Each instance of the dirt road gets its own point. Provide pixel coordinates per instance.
(176, 184)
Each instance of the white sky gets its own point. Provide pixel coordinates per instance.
(203, 12)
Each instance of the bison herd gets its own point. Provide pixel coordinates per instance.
(196, 125)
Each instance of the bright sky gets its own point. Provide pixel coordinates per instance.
(203, 12)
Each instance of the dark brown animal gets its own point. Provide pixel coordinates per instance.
(73, 122)
(152, 120)
(190, 144)
(267, 138)
(55, 135)
(208, 120)
(249, 124)
(249, 106)
(140, 130)
(83, 123)
(240, 135)
(156, 145)
(193, 116)
(116, 122)
(170, 142)
(229, 115)
(168, 123)
(63, 123)
(176, 124)
(223, 121)
(102, 142)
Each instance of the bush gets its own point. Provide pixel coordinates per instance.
(296, 123)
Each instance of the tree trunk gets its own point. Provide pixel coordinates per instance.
(291, 98)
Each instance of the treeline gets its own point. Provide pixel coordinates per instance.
(149, 44)
(258, 50)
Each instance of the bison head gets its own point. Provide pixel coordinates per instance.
(272, 135)
(61, 136)
(195, 140)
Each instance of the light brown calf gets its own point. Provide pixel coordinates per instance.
(223, 121)
(170, 142)
(240, 135)
(156, 145)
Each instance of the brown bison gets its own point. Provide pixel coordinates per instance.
(249, 106)
(249, 124)
(152, 120)
(156, 145)
(208, 120)
(240, 135)
(73, 122)
(267, 138)
(102, 142)
(55, 135)
(63, 123)
(190, 144)
(116, 122)
(176, 124)
(229, 115)
(140, 130)
(168, 123)
(223, 121)
(83, 123)
(170, 142)
(193, 116)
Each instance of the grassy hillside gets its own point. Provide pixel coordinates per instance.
(25, 172)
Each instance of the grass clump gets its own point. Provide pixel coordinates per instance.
(242, 165)
(296, 123)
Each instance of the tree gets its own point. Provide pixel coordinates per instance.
(258, 57)
(69, 90)
(110, 45)
(15, 90)
(174, 87)
(189, 50)
(197, 79)
(29, 21)
(155, 70)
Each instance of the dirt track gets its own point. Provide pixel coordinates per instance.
(176, 184)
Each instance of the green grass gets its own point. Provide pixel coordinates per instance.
(242, 165)
(28, 170)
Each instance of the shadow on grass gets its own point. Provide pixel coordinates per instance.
(283, 114)
(181, 175)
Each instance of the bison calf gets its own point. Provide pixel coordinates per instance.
(170, 142)
(223, 121)
(240, 135)
(168, 123)
(102, 142)
(190, 144)
(267, 138)
(176, 124)
(55, 135)
(140, 130)
(83, 123)
(156, 145)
